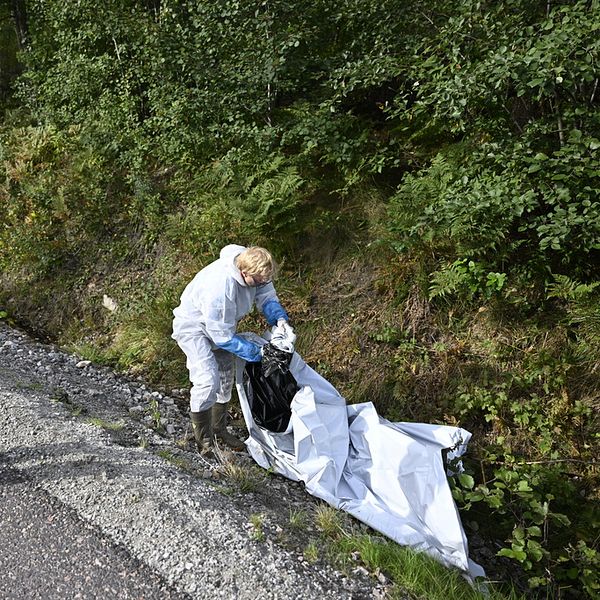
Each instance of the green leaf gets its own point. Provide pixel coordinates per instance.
(466, 481)
(523, 486)
(535, 82)
(534, 550)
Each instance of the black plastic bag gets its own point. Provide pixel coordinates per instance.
(270, 388)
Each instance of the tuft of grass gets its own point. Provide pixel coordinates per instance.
(90, 351)
(99, 422)
(329, 521)
(257, 521)
(311, 553)
(178, 461)
(298, 519)
(247, 478)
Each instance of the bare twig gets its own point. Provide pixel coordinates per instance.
(116, 48)
(430, 21)
(594, 91)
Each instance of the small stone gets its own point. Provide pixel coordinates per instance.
(82, 364)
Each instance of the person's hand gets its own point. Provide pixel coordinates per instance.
(287, 328)
(283, 336)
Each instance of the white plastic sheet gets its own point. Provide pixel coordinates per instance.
(390, 476)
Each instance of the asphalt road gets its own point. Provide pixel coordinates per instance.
(47, 552)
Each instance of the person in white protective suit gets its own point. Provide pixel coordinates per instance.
(204, 327)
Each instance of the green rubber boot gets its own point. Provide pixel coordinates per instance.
(219, 417)
(202, 427)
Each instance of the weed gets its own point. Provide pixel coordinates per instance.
(329, 521)
(155, 414)
(178, 461)
(59, 395)
(247, 478)
(99, 422)
(298, 519)
(34, 387)
(311, 553)
(225, 490)
(257, 521)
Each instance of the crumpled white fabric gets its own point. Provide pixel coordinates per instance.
(390, 476)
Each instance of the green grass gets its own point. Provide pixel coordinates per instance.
(298, 519)
(257, 521)
(245, 477)
(413, 572)
(98, 422)
(179, 462)
(311, 553)
(90, 351)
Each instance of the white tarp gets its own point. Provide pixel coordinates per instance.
(390, 476)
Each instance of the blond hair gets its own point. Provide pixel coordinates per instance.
(256, 261)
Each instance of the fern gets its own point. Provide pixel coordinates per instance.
(569, 290)
(582, 306)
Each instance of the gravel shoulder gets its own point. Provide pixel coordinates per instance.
(112, 452)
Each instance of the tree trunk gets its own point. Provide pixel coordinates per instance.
(18, 13)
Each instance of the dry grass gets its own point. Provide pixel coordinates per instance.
(245, 476)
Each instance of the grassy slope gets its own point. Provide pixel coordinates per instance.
(363, 320)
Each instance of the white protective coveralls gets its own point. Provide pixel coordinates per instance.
(204, 326)
(389, 475)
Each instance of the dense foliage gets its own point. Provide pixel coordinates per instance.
(451, 146)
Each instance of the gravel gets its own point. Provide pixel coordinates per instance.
(114, 452)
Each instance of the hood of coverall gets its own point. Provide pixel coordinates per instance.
(228, 254)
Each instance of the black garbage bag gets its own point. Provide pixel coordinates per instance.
(270, 388)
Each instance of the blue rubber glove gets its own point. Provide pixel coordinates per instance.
(241, 347)
(273, 311)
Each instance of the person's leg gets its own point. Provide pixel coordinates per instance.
(225, 360)
(204, 376)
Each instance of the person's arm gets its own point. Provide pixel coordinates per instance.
(221, 325)
(268, 303)
(243, 348)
